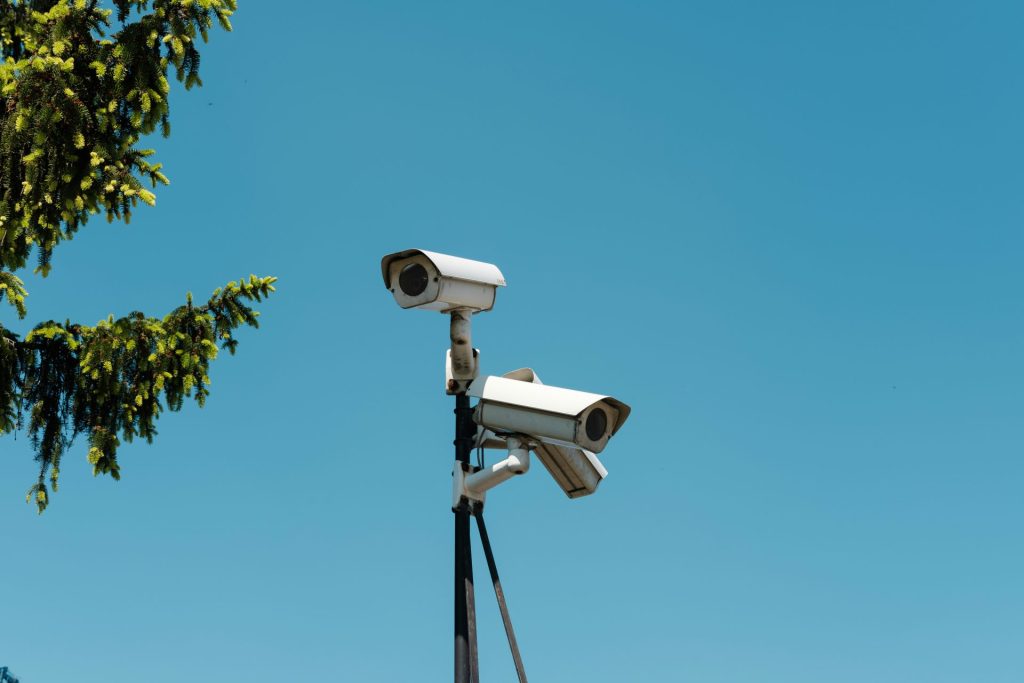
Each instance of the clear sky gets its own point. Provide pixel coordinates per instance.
(788, 234)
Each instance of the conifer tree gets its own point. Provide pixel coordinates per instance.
(81, 85)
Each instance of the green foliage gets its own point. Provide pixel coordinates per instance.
(74, 104)
(13, 289)
(107, 381)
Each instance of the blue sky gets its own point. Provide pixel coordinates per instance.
(789, 235)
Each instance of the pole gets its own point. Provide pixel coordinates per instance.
(466, 665)
(500, 594)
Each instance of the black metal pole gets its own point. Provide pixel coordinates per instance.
(500, 594)
(466, 663)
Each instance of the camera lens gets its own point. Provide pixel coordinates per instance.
(597, 424)
(413, 279)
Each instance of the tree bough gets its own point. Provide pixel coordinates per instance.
(79, 90)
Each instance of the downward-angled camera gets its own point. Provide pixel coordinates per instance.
(577, 471)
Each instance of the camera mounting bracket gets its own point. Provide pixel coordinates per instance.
(462, 360)
(470, 484)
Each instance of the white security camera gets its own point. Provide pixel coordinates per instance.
(438, 282)
(553, 415)
(577, 472)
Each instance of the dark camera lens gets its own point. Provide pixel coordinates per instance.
(413, 279)
(597, 424)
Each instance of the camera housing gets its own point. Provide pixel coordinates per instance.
(552, 415)
(439, 282)
(577, 472)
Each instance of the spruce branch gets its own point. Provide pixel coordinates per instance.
(112, 380)
(13, 289)
(78, 93)
(74, 104)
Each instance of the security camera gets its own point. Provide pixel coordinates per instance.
(577, 472)
(438, 282)
(552, 415)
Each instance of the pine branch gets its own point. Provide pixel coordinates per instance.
(13, 289)
(74, 104)
(111, 381)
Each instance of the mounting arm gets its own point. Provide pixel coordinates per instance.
(461, 363)
(474, 485)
